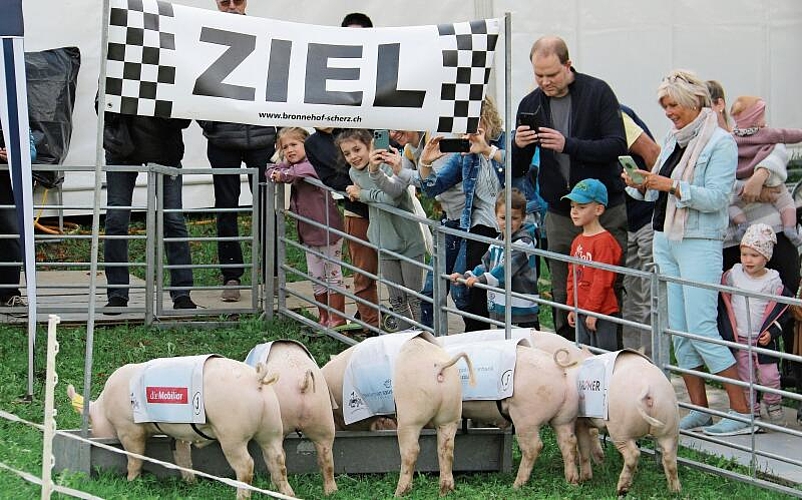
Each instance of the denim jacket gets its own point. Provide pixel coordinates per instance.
(465, 169)
(707, 195)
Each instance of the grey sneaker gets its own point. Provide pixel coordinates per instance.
(776, 414)
(15, 301)
(18, 304)
(730, 427)
(231, 292)
(694, 420)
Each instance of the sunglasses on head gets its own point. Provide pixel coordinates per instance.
(674, 78)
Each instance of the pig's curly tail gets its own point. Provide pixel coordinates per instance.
(562, 358)
(263, 376)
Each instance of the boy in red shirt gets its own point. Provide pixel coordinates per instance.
(591, 288)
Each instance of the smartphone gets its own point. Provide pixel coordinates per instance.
(630, 166)
(455, 146)
(533, 120)
(381, 139)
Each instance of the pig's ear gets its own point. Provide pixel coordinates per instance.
(586, 351)
(334, 405)
(642, 350)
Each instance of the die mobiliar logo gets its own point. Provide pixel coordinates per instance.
(168, 395)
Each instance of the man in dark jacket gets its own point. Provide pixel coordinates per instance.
(229, 146)
(583, 139)
(10, 249)
(152, 141)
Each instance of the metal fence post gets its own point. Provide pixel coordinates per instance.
(153, 247)
(276, 219)
(439, 289)
(661, 341)
(257, 236)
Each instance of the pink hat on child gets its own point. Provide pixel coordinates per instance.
(760, 238)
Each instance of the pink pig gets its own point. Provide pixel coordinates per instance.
(542, 395)
(427, 392)
(240, 405)
(642, 402)
(306, 403)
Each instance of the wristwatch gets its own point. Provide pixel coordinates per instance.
(674, 188)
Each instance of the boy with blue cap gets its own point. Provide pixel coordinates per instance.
(590, 288)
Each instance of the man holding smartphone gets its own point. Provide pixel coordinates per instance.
(584, 141)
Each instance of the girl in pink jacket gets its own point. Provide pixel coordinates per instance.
(317, 215)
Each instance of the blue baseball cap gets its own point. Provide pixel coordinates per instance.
(588, 190)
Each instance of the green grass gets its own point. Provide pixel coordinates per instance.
(203, 252)
(20, 446)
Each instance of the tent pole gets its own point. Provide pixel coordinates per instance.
(90, 322)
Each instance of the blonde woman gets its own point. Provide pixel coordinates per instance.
(691, 185)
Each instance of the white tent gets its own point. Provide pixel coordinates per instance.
(751, 47)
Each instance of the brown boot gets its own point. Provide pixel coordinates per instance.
(369, 312)
(337, 303)
(323, 300)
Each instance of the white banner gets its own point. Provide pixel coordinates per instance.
(174, 61)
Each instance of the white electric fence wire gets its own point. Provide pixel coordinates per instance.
(50, 431)
(51, 379)
(231, 482)
(58, 489)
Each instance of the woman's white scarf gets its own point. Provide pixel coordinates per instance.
(693, 137)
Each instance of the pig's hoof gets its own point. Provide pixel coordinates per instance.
(622, 492)
(517, 484)
(400, 490)
(446, 487)
(572, 479)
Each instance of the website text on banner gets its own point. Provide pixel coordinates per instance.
(181, 62)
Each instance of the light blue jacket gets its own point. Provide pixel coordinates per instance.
(463, 169)
(707, 195)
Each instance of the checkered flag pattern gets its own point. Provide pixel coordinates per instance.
(467, 58)
(141, 47)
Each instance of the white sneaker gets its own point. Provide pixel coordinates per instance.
(776, 414)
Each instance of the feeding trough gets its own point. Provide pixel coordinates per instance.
(475, 450)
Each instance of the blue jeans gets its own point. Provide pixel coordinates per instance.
(119, 191)
(692, 309)
(472, 300)
(452, 249)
